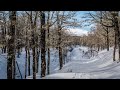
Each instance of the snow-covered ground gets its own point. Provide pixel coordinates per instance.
(80, 66)
(54, 63)
(98, 67)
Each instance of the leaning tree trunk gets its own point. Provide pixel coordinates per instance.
(43, 61)
(11, 47)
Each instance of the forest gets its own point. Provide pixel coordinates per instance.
(40, 45)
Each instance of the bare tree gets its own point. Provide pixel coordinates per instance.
(11, 46)
(33, 28)
(43, 32)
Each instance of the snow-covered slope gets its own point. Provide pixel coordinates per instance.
(80, 66)
(3, 68)
(98, 67)
(54, 63)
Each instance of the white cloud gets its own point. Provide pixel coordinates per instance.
(76, 31)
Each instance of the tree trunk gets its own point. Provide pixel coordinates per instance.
(64, 55)
(60, 58)
(107, 39)
(60, 49)
(26, 63)
(34, 63)
(98, 47)
(115, 44)
(11, 47)
(18, 50)
(118, 32)
(116, 28)
(33, 27)
(2, 48)
(34, 53)
(48, 49)
(37, 60)
(59, 42)
(43, 61)
(14, 68)
(4, 26)
(48, 63)
(5, 49)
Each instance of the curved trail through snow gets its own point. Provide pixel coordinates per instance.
(99, 67)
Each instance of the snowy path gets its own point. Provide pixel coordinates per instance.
(99, 67)
(79, 66)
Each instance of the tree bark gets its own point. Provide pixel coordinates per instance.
(115, 45)
(34, 62)
(98, 46)
(11, 47)
(28, 61)
(60, 58)
(33, 27)
(34, 54)
(116, 28)
(48, 63)
(37, 60)
(18, 50)
(43, 31)
(48, 49)
(60, 49)
(107, 39)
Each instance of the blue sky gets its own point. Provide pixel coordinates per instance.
(81, 30)
(81, 14)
